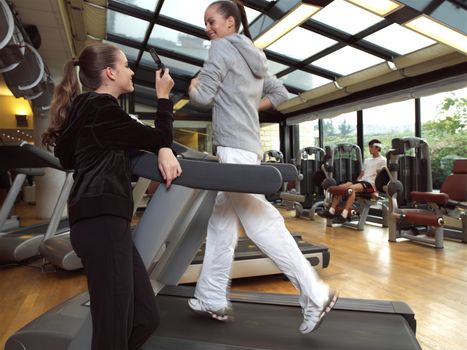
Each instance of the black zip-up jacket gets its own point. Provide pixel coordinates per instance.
(94, 141)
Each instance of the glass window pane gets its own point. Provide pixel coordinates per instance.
(340, 129)
(387, 122)
(126, 26)
(444, 127)
(179, 42)
(301, 43)
(399, 39)
(269, 135)
(130, 53)
(174, 65)
(192, 13)
(251, 14)
(309, 134)
(347, 60)
(275, 67)
(304, 81)
(149, 5)
(346, 17)
(194, 134)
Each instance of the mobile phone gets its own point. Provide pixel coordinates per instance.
(157, 61)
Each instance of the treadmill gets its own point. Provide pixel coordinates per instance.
(263, 321)
(7, 222)
(23, 243)
(249, 260)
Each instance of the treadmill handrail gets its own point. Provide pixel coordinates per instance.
(211, 175)
(288, 171)
(25, 155)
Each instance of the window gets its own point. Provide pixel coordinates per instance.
(341, 129)
(269, 135)
(309, 134)
(194, 134)
(387, 122)
(444, 127)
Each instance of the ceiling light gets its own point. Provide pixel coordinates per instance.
(439, 32)
(380, 7)
(292, 19)
(180, 104)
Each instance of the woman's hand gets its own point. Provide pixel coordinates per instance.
(164, 84)
(168, 165)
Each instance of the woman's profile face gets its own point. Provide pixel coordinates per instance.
(123, 73)
(216, 25)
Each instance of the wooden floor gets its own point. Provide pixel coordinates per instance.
(363, 265)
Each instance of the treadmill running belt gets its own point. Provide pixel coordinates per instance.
(276, 327)
(246, 249)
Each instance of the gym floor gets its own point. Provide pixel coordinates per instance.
(363, 265)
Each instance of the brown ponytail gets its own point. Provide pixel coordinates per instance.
(61, 101)
(235, 9)
(92, 60)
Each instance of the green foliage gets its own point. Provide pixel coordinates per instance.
(328, 128)
(345, 129)
(447, 137)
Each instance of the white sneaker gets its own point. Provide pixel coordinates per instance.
(313, 316)
(223, 314)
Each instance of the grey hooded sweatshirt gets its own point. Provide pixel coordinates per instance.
(233, 80)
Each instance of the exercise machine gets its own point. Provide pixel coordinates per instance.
(263, 321)
(308, 195)
(26, 159)
(344, 162)
(418, 214)
(274, 156)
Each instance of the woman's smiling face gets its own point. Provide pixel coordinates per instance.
(216, 25)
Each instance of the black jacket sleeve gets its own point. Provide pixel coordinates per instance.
(114, 128)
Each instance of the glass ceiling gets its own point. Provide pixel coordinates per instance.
(340, 39)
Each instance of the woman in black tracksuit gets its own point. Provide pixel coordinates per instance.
(92, 134)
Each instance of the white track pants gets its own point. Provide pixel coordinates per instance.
(265, 226)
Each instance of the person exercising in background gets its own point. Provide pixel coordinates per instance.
(93, 135)
(365, 183)
(235, 81)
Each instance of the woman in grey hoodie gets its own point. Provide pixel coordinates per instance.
(235, 82)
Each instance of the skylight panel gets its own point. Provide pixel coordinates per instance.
(149, 5)
(193, 11)
(176, 41)
(251, 14)
(304, 81)
(275, 67)
(179, 66)
(130, 52)
(126, 26)
(347, 60)
(187, 11)
(346, 17)
(301, 43)
(399, 39)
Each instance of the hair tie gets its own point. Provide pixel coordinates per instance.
(75, 61)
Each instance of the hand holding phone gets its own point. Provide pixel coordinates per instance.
(157, 61)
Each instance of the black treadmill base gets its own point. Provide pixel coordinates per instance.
(262, 326)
